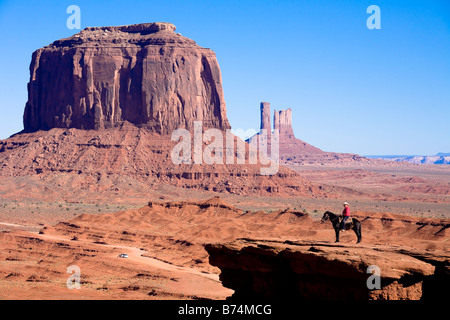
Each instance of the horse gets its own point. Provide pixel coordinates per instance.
(355, 225)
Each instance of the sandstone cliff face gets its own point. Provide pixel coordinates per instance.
(313, 270)
(145, 74)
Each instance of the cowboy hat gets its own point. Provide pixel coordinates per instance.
(345, 203)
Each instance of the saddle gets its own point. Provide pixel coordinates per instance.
(348, 224)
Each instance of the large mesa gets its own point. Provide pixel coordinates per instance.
(145, 74)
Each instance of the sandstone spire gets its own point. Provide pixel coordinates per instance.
(265, 116)
(282, 121)
(289, 145)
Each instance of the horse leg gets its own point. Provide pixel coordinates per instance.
(357, 229)
(336, 230)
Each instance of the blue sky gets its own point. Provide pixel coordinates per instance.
(350, 89)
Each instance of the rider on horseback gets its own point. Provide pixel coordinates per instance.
(345, 215)
(354, 225)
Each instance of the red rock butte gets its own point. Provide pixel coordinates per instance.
(293, 151)
(105, 101)
(145, 74)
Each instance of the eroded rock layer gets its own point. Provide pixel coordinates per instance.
(141, 154)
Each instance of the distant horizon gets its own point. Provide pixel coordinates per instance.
(402, 155)
(351, 89)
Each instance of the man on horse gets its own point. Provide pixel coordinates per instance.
(345, 215)
(354, 224)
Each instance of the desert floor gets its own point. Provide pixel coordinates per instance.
(43, 233)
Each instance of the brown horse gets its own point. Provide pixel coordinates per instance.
(355, 225)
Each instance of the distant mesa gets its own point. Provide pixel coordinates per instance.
(145, 74)
(439, 158)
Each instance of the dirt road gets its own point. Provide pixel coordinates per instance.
(136, 255)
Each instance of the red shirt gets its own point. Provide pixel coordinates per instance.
(346, 211)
